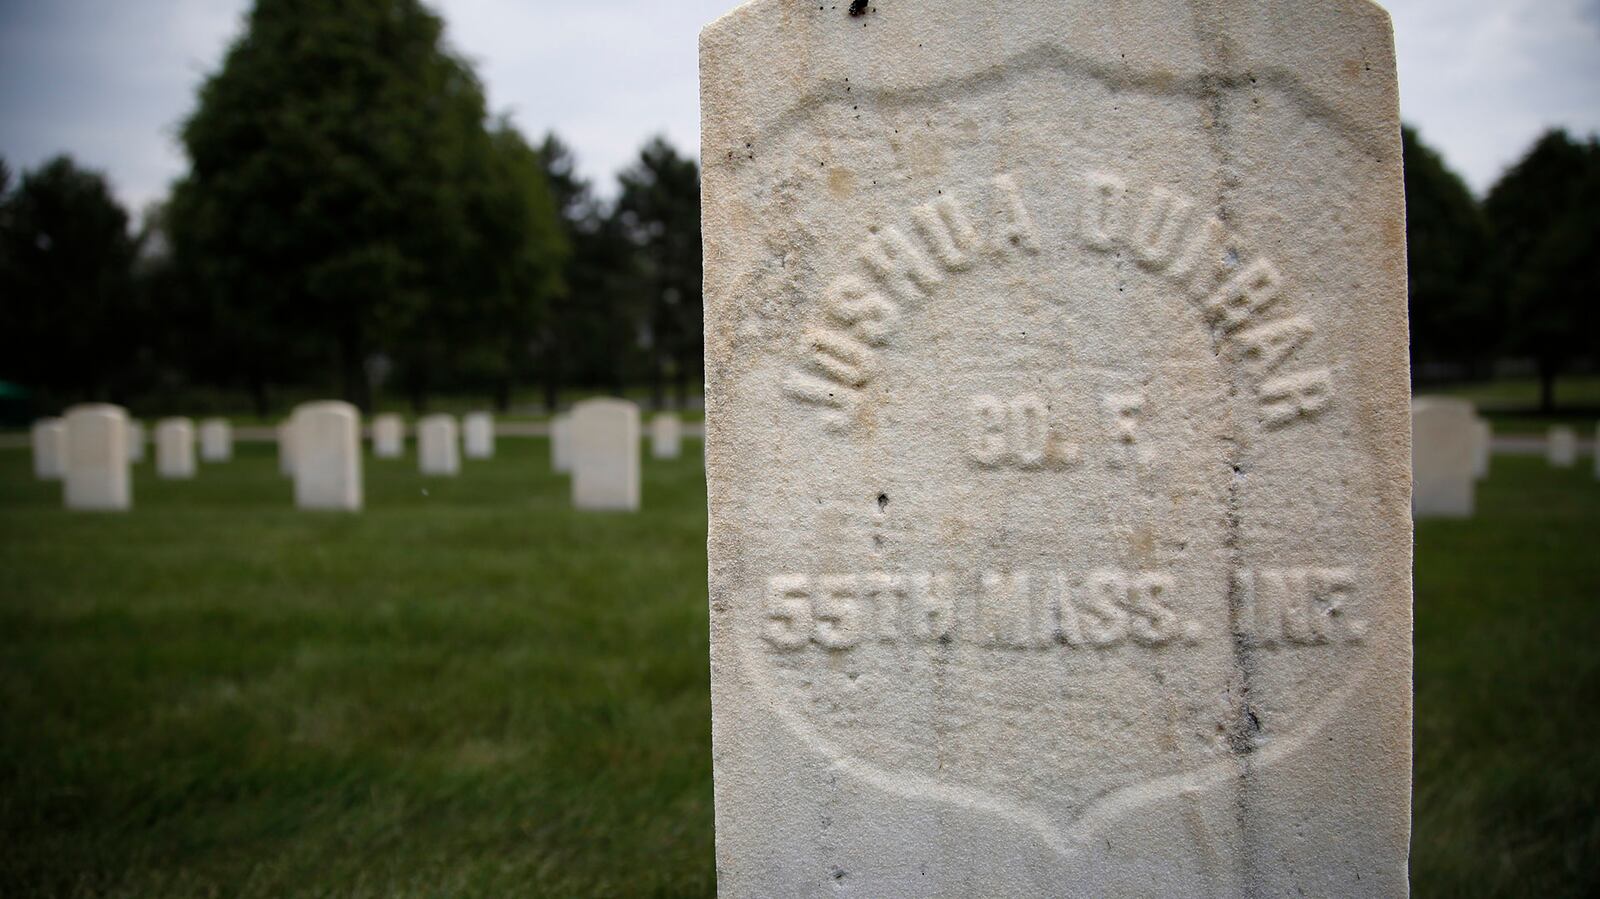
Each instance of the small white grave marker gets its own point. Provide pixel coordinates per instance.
(605, 455)
(438, 446)
(49, 440)
(388, 436)
(327, 456)
(175, 448)
(1562, 448)
(561, 443)
(666, 435)
(97, 459)
(478, 431)
(216, 440)
(1444, 445)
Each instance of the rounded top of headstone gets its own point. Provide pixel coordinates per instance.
(604, 402)
(1443, 404)
(175, 420)
(324, 407)
(95, 409)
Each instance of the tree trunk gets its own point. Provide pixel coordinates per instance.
(258, 395)
(1547, 386)
(502, 394)
(353, 373)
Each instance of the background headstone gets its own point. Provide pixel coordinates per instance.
(175, 448)
(1562, 447)
(216, 440)
(49, 438)
(605, 455)
(666, 435)
(438, 446)
(136, 441)
(561, 443)
(1482, 448)
(96, 476)
(1444, 447)
(478, 435)
(1059, 514)
(388, 436)
(327, 456)
(286, 447)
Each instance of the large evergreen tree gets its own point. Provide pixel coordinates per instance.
(660, 208)
(1454, 317)
(69, 324)
(1545, 212)
(331, 183)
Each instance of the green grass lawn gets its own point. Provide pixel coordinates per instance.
(1512, 403)
(468, 690)
(471, 690)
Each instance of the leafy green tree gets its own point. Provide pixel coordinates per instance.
(1545, 212)
(1454, 318)
(590, 335)
(69, 322)
(660, 209)
(332, 173)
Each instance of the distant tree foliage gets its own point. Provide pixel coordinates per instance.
(1545, 212)
(69, 318)
(343, 190)
(1454, 314)
(660, 212)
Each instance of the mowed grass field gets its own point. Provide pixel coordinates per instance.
(468, 690)
(472, 690)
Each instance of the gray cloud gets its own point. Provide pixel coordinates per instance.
(110, 81)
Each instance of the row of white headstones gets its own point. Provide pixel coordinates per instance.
(91, 447)
(1450, 451)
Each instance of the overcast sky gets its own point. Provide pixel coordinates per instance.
(108, 80)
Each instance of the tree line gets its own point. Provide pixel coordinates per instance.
(1514, 275)
(353, 219)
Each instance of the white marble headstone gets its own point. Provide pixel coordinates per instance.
(175, 457)
(478, 435)
(1482, 447)
(216, 440)
(285, 440)
(388, 436)
(96, 477)
(1562, 447)
(327, 456)
(1058, 408)
(561, 443)
(666, 435)
(605, 455)
(438, 446)
(136, 441)
(49, 440)
(1444, 448)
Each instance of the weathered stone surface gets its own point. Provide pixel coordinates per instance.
(666, 436)
(1482, 448)
(136, 441)
(286, 447)
(49, 438)
(175, 448)
(96, 477)
(216, 440)
(605, 455)
(327, 456)
(388, 436)
(1058, 408)
(561, 442)
(1444, 447)
(1562, 447)
(438, 446)
(478, 435)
